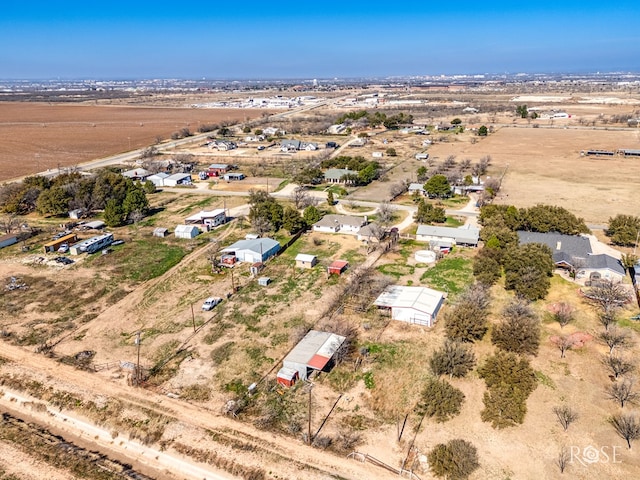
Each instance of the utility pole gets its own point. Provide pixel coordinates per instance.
(138, 363)
(636, 245)
(193, 318)
(309, 416)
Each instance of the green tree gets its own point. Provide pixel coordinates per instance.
(624, 230)
(135, 201)
(113, 213)
(507, 368)
(455, 460)
(54, 201)
(246, 129)
(550, 218)
(519, 330)
(503, 407)
(330, 199)
(438, 187)
(149, 187)
(456, 121)
(428, 213)
(311, 215)
(528, 269)
(440, 400)
(453, 358)
(391, 152)
(483, 131)
(422, 173)
(486, 264)
(522, 111)
(467, 320)
(292, 220)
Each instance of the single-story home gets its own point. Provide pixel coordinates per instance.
(305, 260)
(465, 235)
(295, 145)
(574, 253)
(137, 174)
(186, 231)
(217, 169)
(8, 239)
(252, 251)
(95, 225)
(337, 267)
(233, 176)
(416, 187)
(336, 175)
(177, 179)
(223, 145)
(212, 218)
(158, 178)
(371, 232)
(339, 223)
(316, 351)
(160, 232)
(419, 305)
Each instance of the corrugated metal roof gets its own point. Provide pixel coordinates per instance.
(422, 299)
(305, 257)
(315, 344)
(462, 235)
(205, 214)
(258, 245)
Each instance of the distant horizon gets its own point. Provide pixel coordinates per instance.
(330, 39)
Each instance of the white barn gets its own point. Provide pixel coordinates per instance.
(419, 305)
(186, 231)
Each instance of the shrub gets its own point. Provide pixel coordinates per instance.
(457, 459)
(440, 400)
(454, 359)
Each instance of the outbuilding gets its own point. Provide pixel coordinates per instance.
(315, 352)
(252, 251)
(213, 218)
(158, 178)
(160, 232)
(186, 231)
(8, 239)
(337, 267)
(304, 260)
(419, 305)
(177, 179)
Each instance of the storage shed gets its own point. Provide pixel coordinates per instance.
(304, 260)
(264, 281)
(337, 267)
(419, 305)
(160, 232)
(8, 239)
(186, 231)
(315, 351)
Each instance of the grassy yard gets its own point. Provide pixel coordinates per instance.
(451, 274)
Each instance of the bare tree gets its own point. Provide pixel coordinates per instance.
(449, 162)
(261, 225)
(566, 415)
(399, 188)
(627, 425)
(623, 392)
(386, 212)
(299, 197)
(465, 164)
(607, 319)
(608, 296)
(563, 313)
(454, 359)
(618, 366)
(564, 343)
(9, 223)
(563, 459)
(615, 337)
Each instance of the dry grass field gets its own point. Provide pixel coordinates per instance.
(35, 137)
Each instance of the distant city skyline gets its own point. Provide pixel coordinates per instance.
(253, 40)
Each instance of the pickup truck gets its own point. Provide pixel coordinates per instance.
(211, 302)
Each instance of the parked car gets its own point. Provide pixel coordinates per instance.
(64, 248)
(261, 147)
(63, 260)
(210, 302)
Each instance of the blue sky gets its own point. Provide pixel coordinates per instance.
(323, 39)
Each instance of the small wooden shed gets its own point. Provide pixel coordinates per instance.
(304, 260)
(337, 267)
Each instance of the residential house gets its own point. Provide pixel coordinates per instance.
(223, 145)
(211, 218)
(186, 231)
(304, 260)
(417, 188)
(336, 129)
(233, 176)
(574, 253)
(252, 251)
(465, 235)
(340, 223)
(315, 352)
(416, 305)
(217, 169)
(270, 131)
(140, 174)
(338, 175)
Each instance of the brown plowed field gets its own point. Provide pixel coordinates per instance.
(35, 137)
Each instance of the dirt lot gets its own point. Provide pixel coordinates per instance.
(35, 137)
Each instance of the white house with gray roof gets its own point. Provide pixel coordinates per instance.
(465, 235)
(340, 224)
(337, 175)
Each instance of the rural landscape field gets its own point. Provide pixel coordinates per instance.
(113, 354)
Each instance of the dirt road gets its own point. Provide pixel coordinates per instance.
(279, 449)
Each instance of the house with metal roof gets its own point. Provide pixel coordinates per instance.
(419, 305)
(212, 218)
(254, 250)
(315, 352)
(337, 175)
(137, 174)
(177, 179)
(465, 235)
(340, 223)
